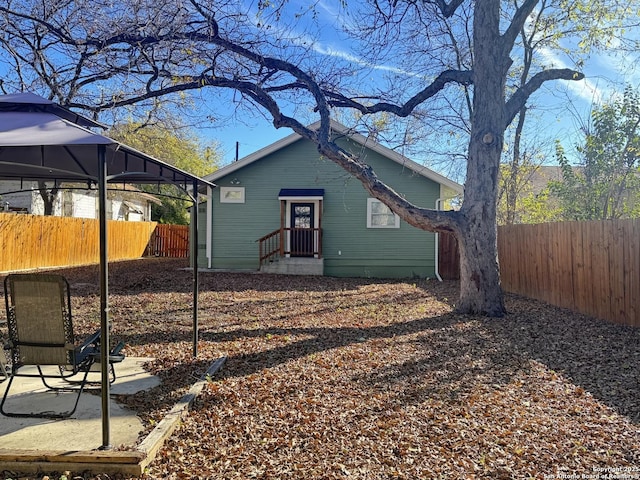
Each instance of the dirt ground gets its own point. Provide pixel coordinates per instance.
(332, 378)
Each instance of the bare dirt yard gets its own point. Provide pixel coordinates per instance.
(332, 378)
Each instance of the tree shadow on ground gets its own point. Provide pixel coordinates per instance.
(599, 356)
(453, 357)
(462, 353)
(457, 353)
(315, 340)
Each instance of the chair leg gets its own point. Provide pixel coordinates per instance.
(45, 414)
(4, 397)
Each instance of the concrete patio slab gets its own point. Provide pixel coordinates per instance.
(27, 453)
(83, 431)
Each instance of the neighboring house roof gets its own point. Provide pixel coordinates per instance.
(129, 190)
(134, 192)
(453, 189)
(541, 176)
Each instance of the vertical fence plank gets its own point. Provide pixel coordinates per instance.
(170, 241)
(565, 265)
(633, 277)
(600, 262)
(448, 256)
(30, 241)
(616, 271)
(555, 290)
(576, 259)
(591, 267)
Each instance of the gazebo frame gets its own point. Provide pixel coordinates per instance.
(43, 141)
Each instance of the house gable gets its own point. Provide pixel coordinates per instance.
(349, 246)
(448, 188)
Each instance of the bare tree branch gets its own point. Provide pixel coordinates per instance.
(151, 54)
(522, 94)
(449, 76)
(517, 23)
(448, 9)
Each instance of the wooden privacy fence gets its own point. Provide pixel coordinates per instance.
(448, 256)
(170, 241)
(589, 267)
(31, 241)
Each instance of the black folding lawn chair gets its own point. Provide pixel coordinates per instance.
(41, 335)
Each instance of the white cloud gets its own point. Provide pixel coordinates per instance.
(586, 89)
(302, 39)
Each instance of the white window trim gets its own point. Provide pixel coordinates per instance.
(370, 203)
(225, 191)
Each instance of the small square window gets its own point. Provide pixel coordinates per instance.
(380, 216)
(231, 194)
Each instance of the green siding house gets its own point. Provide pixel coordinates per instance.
(286, 209)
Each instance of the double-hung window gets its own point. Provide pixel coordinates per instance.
(380, 216)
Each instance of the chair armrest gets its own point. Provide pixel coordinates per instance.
(93, 339)
(114, 355)
(89, 349)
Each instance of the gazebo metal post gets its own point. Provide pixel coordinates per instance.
(104, 296)
(194, 260)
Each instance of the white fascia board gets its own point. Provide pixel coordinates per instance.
(257, 155)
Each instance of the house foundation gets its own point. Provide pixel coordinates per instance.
(294, 266)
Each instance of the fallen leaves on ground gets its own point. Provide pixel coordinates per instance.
(332, 378)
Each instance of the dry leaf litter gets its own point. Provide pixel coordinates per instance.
(330, 378)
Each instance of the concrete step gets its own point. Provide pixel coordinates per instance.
(295, 266)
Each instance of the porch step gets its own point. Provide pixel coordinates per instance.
(295, 266)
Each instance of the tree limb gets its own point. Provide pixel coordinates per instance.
(462, 77)
(517, 23)
(423, 218)
(522, 94)
(448, 9)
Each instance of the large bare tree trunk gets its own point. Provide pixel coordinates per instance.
(219, 59)
(480, 290)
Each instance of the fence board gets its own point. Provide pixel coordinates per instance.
(578, 265)
(565, 269)
(591, 267)
(616, 271)
(170, 241)
(635, 275)
(600, 268)
(448, 256)
(30, 241)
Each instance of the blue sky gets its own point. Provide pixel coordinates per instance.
(320, 31)
(254, 132)
(604, 74)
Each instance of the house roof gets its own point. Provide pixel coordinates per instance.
(40, 140)
(542, 175)
(452, 187)
(301, 192)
